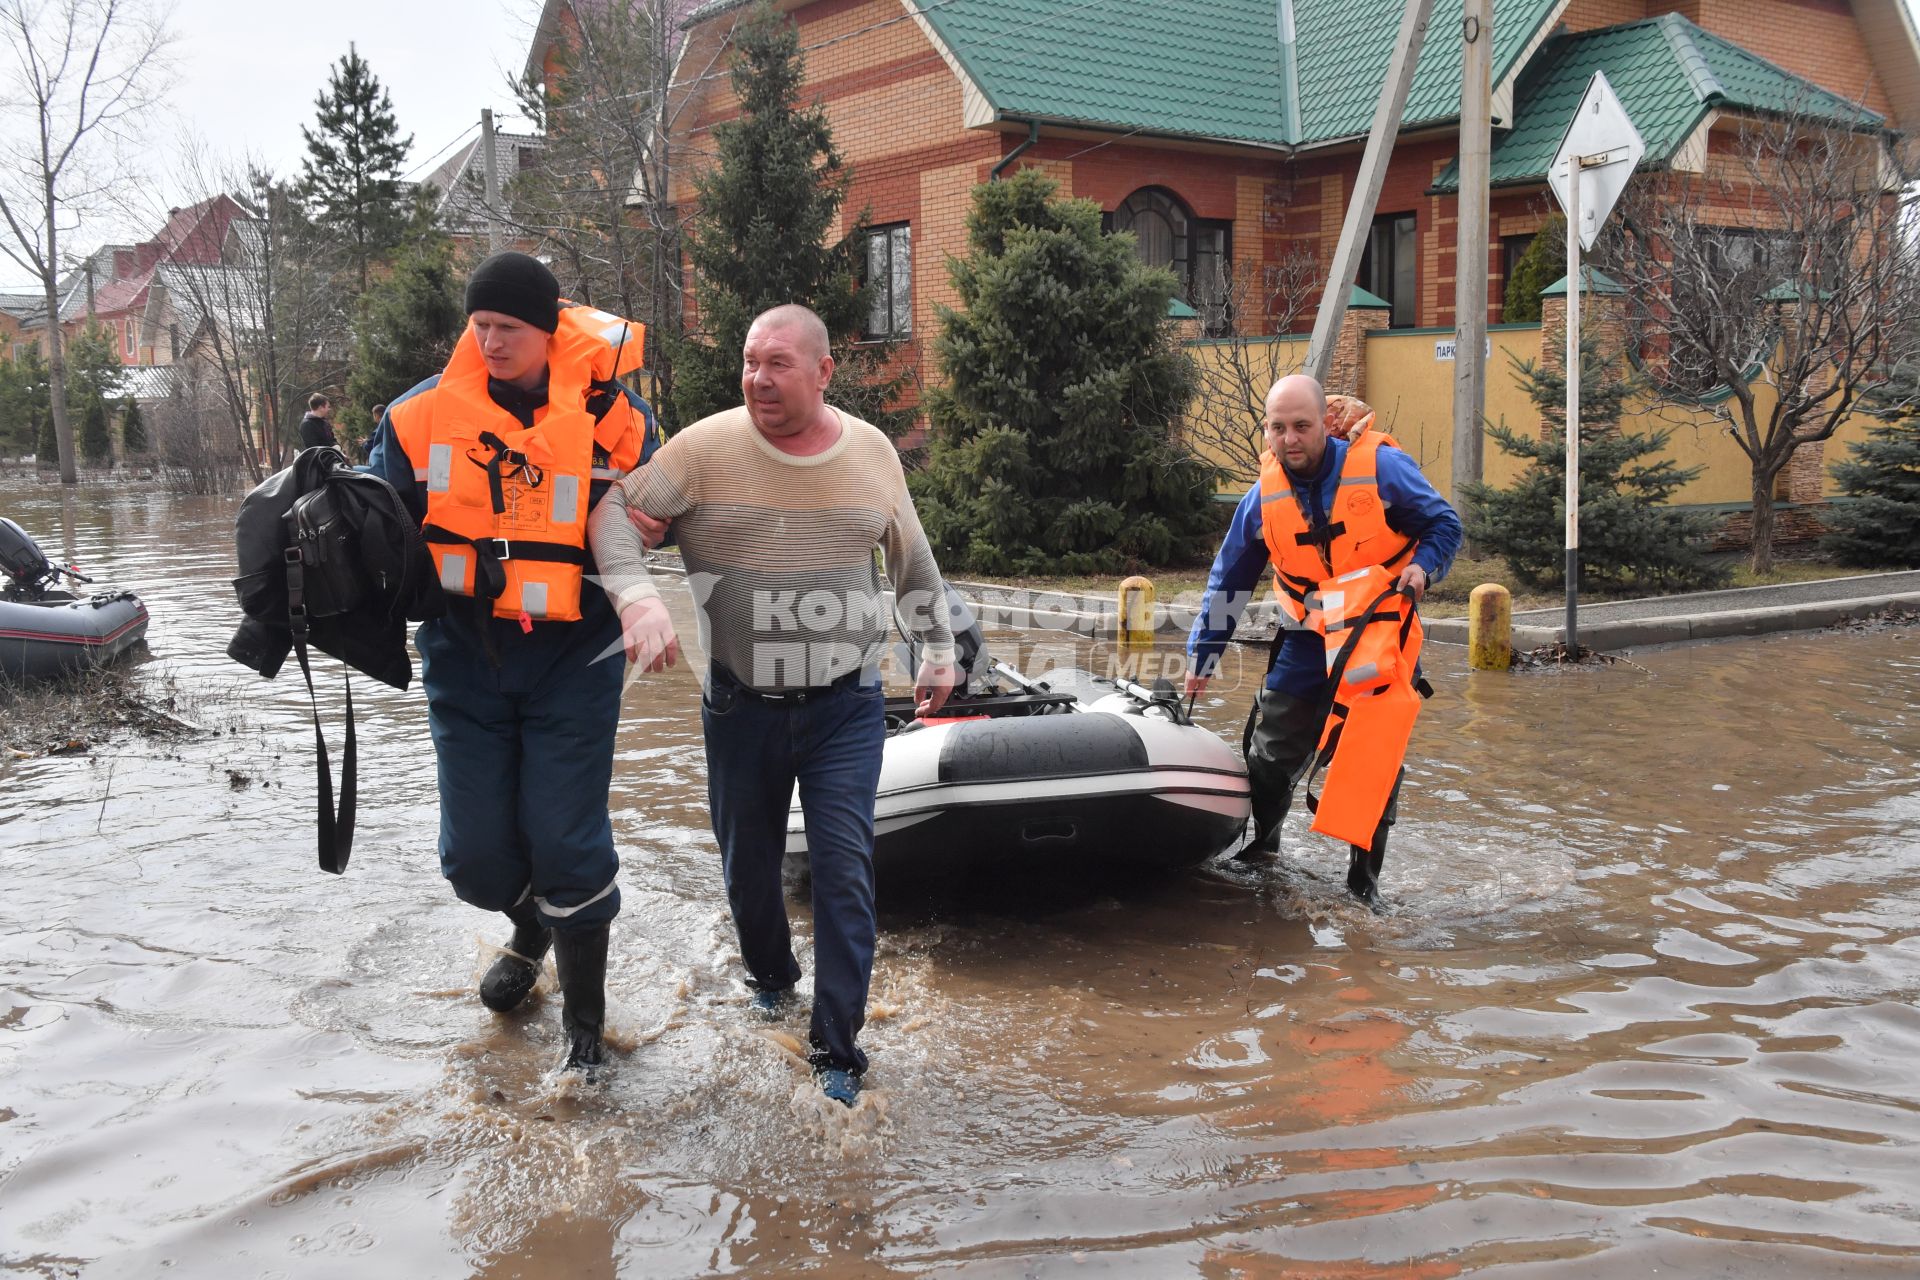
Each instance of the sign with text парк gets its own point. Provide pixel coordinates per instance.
(1609, 149)
(1444, 349)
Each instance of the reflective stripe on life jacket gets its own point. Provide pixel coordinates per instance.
(507, 505)
(1354, 536)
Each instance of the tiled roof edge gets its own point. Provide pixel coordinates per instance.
(1700, 78)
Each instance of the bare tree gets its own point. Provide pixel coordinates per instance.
(1784, 269)
(597, 197)
(79, 72)
(1257, 304)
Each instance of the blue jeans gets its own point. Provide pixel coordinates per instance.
(756, 751)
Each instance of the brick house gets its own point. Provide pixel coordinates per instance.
(1223, 145)
(112, 286)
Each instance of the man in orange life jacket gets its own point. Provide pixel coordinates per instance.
(502, 457)
(1305, 470)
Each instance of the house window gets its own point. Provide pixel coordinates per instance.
(1199, 251)
(126, 337)
(890, 282)
(1388, 265)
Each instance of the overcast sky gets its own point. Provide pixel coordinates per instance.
(246, 74)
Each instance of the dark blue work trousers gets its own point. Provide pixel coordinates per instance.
(525, 762)
(756, 751)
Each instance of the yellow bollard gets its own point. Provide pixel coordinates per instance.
(1135, 616)
(1490, 628)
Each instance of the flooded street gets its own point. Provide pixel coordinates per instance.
(1642, 999)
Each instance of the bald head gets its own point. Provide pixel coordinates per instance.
(1295, 427)
(805, 329)
(1299, 387)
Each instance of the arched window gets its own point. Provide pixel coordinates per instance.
(1197, 250)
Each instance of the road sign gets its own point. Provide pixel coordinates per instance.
(1607, 147)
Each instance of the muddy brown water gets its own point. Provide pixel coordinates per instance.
(1642, 1001)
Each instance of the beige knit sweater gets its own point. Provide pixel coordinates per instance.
(779, 549)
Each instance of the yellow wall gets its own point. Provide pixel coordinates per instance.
(1412, 393)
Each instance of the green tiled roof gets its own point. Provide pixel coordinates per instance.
(1668, 74)
(1211, 68)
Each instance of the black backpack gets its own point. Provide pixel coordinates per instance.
(331, 557)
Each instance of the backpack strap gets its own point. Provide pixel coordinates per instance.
(336, 828)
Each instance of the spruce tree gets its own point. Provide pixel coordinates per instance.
(94, 371)
(1628, 537)
(1880, 526)
(408, 325)
(24, 397)
(351, 173)
(133, 427)
(46, 446)
(761, 235)
(96, 439)
(1053, 445)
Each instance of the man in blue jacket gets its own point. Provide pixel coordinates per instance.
(1305, 463)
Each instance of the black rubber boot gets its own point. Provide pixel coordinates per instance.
(1282, 732)
(581, 956)
(510, 977)
(1363, 865)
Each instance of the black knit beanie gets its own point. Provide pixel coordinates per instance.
(515, 285)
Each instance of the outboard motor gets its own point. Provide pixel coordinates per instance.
(969, 640)
(27, 569)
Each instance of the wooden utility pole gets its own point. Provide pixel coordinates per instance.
(492, 162)
(1366, 187)
(1470, 245)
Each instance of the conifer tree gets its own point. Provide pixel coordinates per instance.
(24, 398)
(1053, 447)
(133, 427)
(46, 446)
(1627, 536)
(351, 173)
(760, 236)
(1544, 262)
(408, 325)
(96, 439)
(1880, 526)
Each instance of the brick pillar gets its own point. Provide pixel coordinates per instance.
(1347, 375)
(1806, 472)
(1602, 315)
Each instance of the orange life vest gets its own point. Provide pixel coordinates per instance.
(1355, 535)
(507, 505)
(1373, 639)
(1338, 580)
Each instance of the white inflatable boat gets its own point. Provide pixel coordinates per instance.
(1070, 771)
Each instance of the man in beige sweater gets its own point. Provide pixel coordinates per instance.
(778, 507)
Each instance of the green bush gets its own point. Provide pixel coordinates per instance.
(1628, 538)
(1053, 448)
(1544, 262)
(96, 439)
(133, 428)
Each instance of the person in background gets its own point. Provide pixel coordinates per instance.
(317, 427)
(500, 457)
(780, 505)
